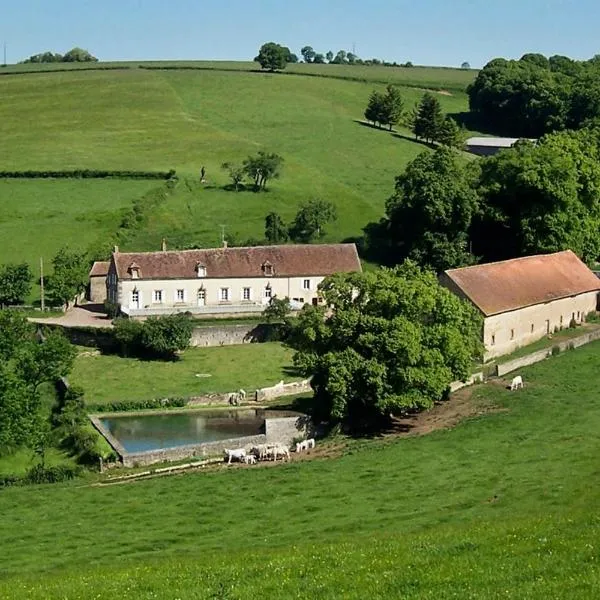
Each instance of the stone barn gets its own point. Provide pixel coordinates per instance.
(97, 285)
(524, 299)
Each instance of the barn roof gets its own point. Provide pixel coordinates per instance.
(512, 284)
(493, 142)
(286, 261)
(99, 269)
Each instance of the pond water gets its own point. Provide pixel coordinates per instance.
(153, 432)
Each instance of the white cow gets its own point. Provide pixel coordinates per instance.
(301, 446)
(281, 451)
(239, 454)
(242, 394)
(516, 383)
(310, 442)
(250, 459)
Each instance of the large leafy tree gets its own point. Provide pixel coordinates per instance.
(389, 341)
(542, 198)
(70, 276)
(311, 219)
(308, 54)
(15, 283)
(273, 57)
(165, 336)
(429, 215)
(393, 106)
(375, 109)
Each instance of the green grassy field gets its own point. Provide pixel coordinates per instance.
(156, 120)
(108, 378)
(40, 216)
(502, 506)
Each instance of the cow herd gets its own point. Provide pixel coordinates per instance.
(264, 452)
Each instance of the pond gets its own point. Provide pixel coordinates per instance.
(141, 433)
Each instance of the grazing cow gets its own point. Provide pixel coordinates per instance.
(310, 443)
(238, 454)
(250, 459)
(281, 451)
(234, 399)
(516, 383)
(242, 395)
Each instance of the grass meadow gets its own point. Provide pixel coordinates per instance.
(183, 119)
(502, 506)
(109, 378)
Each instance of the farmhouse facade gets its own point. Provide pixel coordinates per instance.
(223, 281)
(524, 299)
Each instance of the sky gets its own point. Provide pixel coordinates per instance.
(425, 32)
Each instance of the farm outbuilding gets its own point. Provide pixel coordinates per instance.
(487, 146)
(524, 299)
(97, 285)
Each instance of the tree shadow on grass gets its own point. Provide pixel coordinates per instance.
(373, 126)
(413, 139)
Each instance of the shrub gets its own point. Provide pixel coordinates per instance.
(112, 309)
(43, 474)
(88, 174)
(572, 323)
(130, 405)
(555, 350)
(165, 336)
(128, 335)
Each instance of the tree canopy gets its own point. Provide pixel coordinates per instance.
(15, 283)
(262, 167)
(535, 95)
(311, 219)
(429, 215)
(73, 55)
(70, 276)
(391, 340)
(274, 57)
(385, 108)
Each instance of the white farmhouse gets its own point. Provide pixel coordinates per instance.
(524, 299)
(221, 281)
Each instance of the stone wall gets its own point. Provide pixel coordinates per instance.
(536, 357)
(283, 389)
(226, 335)
(286, 429)
(475, 378)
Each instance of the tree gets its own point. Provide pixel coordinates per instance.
(277, 310)
(236, 173)
(450, 133)
(128, 335)
(15, 283)
(70, 276)
(340, 58)
(15, 331)
(79, 55)
(392, 106)
(276, 231)
(319, 59)
(273, 57)
(311, 218)
(541, 198)
(351, 58)
(429, 118)
(465, 65)
(308, 54)
(329, 56)
(429, 215)
(45, 361)
(165, 336)
(390, 341)
(375, 109)
(262, 167)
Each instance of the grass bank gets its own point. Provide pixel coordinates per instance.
(502, 506)
(107, 378)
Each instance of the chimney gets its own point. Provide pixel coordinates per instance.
(116, 249)
(225, 244)
(163, 245)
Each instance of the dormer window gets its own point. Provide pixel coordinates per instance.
(200, 270)
(267, 268)
(134, 270)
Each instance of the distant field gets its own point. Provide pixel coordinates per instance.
(437, 78)
(250, 366)
(156, 120)
(37, 217)
(502, 506)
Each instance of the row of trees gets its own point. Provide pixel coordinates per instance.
(535, 95)
(534, 198)
(275, 57)
(307, 226)
(73, 55)
(426, 119)
(259, 169)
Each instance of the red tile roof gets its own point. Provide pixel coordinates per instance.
(512, 284)
(99, 269)
(287, 261)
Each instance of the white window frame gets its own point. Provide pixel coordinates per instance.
(201, 271)
(157, 297)
(227, 294)
(306, 284)
(249, 289)
(268, 292)
(135, 297)
(177, 298)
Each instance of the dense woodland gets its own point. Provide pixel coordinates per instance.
(535, 95)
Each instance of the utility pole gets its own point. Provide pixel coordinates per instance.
(42, 303)
(222, 234)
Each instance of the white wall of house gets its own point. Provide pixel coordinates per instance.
(205, 291)
(505, 332)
